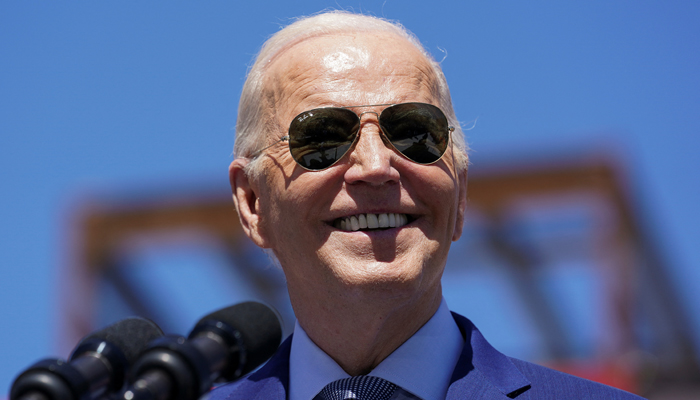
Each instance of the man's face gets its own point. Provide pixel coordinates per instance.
(298, 211)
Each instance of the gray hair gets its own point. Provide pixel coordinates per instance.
(252, 121)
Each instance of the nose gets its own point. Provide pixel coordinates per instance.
(370, 159)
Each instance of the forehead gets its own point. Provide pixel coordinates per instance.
(348, 69)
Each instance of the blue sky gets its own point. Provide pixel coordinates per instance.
(129, 97)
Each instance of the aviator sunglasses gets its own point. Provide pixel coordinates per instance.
(320, 137)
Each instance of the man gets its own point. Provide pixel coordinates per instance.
(351, 168)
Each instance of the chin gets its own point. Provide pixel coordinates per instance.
(385, 279)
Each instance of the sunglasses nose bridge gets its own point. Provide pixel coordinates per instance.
(380, 131)
(360, 115)
(382, 135)
(367, 152)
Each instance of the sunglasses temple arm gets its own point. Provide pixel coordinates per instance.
(282, 139)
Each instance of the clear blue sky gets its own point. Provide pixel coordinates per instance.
(125, 96)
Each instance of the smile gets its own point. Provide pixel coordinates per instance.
(371, 221)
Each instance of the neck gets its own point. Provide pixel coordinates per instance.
(360, 334)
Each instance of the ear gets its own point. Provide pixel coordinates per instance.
(246, 199)
(461, 204)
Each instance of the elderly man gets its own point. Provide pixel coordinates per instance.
(352, 169)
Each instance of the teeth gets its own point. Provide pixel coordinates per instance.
(371, 221)
(354, 223)
(363, 221)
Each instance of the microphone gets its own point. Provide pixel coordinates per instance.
(223, 346)
(97, 366)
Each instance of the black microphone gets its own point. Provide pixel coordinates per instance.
(97, 366)
(223, 346)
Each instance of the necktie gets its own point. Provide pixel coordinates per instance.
(363, 387)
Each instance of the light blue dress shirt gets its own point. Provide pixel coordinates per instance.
(423, 365)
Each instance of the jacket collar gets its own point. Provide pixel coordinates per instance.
(481, 369)
(269, 382)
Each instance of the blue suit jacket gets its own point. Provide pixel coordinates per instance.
(481, 373)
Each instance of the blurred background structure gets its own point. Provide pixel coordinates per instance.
(581, 242)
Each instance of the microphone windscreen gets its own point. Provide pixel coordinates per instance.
(259, 326)
(130, 335)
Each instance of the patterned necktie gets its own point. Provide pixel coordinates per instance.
(363, 387)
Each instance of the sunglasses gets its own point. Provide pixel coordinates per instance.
(320, 137)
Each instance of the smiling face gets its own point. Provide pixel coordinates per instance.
(308, 218)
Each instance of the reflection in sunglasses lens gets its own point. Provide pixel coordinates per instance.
(418, 131)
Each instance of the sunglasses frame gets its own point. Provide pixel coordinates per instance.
(383, 134)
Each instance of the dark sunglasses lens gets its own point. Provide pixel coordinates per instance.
(318, 138)
(419, 131)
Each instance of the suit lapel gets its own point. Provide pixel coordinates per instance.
(268, 383)
(482, 372)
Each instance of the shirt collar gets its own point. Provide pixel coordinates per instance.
(423, 365)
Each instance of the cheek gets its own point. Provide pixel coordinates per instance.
(272, 211)
(286, 215)
(442, 194)
(441, 197)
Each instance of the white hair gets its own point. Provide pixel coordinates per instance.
(252, 119)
